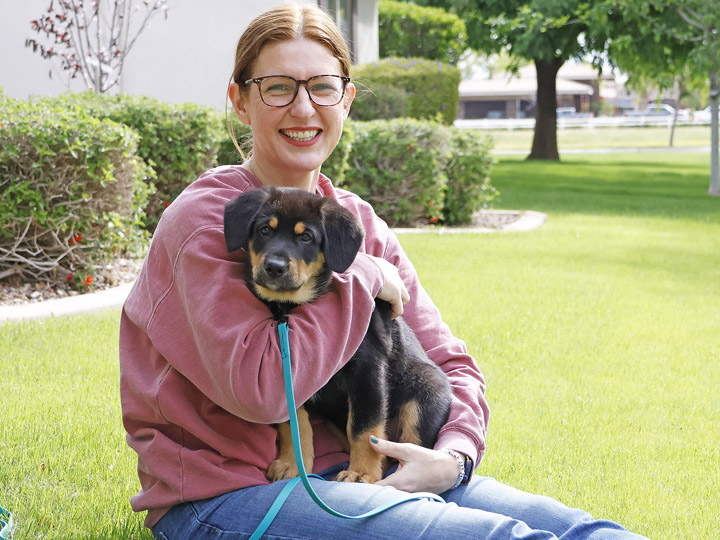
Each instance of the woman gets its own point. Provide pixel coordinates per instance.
(201, 375)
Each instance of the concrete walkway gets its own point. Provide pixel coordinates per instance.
(612, 150)
(71, 305)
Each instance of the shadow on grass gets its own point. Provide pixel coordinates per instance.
(673, 186)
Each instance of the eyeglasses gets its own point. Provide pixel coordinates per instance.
(281, 90)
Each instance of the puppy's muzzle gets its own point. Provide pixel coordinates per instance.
(276, 267)
(276, 273)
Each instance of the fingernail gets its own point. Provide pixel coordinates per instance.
(373, 439)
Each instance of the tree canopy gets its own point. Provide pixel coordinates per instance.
(659, 40)
(548, 32)
(668, 41)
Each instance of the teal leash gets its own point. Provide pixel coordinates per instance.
(6, 524)
(303, 476)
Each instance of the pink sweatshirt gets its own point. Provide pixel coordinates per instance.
(200, 369)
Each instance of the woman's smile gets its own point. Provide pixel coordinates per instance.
(301, 136)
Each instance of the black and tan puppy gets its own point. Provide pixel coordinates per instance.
(389, 388)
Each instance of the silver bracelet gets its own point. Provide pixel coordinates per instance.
(461, 465)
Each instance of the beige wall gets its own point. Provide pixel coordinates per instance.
(367, 42)
(186, 57)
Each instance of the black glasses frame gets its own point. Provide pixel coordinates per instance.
(259, 80)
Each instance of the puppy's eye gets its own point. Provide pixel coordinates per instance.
(306, 237)
(265, 230)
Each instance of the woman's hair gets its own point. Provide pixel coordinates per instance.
(284, 23)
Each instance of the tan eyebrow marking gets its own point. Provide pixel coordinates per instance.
(299, 227)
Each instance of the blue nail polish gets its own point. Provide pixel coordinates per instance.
(373, 439)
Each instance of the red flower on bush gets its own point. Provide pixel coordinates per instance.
(69, 277)
(434, 219)
(75, 239)
(88, 281)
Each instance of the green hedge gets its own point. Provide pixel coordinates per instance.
(416, 172)
(397, 168)
(74, 183)
(227, 152)
(406, 29)
(71, 192)
(468, 171)
(406, 87)
(179, 141)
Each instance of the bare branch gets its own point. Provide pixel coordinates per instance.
(97, 37)
(692, 19)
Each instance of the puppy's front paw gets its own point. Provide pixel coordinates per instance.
(357, 476)
(282, 469)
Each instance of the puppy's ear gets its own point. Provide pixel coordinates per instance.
(239, 216)
(343, 236)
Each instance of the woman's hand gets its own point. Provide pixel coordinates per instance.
(419, 468)
(394, 291)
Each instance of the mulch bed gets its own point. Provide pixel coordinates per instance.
(13, 292)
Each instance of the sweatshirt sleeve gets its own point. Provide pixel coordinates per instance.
(467, 425)
(211, 328)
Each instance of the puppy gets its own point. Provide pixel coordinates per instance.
(389, 388)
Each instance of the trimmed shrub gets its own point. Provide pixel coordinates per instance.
(71, 192)
(227, 153)
(378, 101)
(397, 166)
(468, 171)
(337, 165)
(406, 29)
(179, 141)
(424, 89)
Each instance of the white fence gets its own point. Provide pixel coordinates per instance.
(586, 122)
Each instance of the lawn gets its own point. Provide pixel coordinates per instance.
(599, 335)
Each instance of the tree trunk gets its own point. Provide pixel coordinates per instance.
(544, 144)
(680, 94)
(714, 150)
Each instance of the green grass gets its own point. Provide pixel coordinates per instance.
(599, 335)
(65, 470)
(627, 137)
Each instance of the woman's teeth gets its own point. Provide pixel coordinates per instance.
(301, 136)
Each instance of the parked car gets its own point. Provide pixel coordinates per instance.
(565, 111)
(702, 115)
(660, 109)
(570, 112)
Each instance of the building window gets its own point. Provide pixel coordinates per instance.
(344, 13)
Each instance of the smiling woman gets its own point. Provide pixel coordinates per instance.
(299, 129)
(201, 367)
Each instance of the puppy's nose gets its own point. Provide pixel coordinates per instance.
(276, 267)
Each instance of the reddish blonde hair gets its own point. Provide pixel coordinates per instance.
(285, 23)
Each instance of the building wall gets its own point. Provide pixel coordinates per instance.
(186, 57)
(367, 41)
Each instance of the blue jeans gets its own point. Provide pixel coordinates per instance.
(484, 509)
